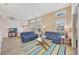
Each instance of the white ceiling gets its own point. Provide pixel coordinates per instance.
(30, 10)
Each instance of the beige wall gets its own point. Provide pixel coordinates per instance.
(4, 28)
(68, 17)
(49, 20)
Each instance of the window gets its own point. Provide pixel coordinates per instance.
(35, 24)
(60, 14)
(60, 23)
(32, 25)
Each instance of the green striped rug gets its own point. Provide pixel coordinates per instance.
(54, 49)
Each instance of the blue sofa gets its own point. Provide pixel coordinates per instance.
(28, 36)
(54, 36)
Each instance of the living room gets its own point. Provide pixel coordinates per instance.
(20, 24)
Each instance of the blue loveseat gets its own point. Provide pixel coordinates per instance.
(54, 36)
(28, 36)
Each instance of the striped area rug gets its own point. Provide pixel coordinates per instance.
(55, 49)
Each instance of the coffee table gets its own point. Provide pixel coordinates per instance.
(42, 42)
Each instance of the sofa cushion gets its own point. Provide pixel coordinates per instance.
(28, 36)
(55, 36)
